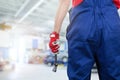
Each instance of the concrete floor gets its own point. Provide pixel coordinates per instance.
(36, 72)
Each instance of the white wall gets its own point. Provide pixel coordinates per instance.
(28, 41)
(5, 40)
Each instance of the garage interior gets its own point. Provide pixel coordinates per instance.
(25, 26)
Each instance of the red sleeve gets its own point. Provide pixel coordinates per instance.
(76, 2)
(117, 3)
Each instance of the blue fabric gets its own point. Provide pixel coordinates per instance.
(94, 36)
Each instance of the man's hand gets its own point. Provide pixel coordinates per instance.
(54, 42)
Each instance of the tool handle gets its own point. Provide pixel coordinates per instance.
(55, 64)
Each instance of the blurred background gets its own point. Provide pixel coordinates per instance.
(25, 26)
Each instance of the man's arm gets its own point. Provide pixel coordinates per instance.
(61, 13)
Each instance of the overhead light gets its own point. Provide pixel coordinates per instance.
(31, 10)
(3, 26)
(22, 7)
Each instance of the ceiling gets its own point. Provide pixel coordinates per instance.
(30, 16)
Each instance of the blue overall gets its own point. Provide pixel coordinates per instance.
(94, 36)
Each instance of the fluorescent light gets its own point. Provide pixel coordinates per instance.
(31, 10)
(22, 7)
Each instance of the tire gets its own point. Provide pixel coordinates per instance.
(49, 64)
(65, 59)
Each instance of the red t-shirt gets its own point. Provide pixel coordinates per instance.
(77, 2)
(117, 3)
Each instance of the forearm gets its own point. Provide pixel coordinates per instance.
(61, 13)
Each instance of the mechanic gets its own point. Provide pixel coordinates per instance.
(93, 36)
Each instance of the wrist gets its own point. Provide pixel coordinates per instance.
(57, 29)
(54, 34)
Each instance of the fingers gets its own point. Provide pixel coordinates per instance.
(54, 43)
(55, 48)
